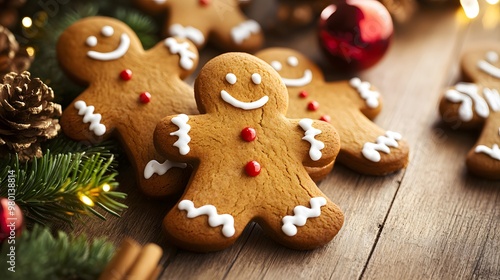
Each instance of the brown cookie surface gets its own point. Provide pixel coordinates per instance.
(477, 105)
(347, 105)
(249, 161)
(129, 91)
(220, 21)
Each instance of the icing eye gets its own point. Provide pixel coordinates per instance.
(292, 61)
(492, 57)
(231, 78)
(107, 31)
(91, 41)
(256, 79)
(276, 65)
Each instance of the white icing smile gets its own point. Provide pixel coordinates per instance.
(243, 105)
(120, 51)
(306, 79)
(488, 67)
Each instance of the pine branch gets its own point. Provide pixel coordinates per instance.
(58, 187)
(39, 255)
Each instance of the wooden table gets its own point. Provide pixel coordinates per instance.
(430, 221)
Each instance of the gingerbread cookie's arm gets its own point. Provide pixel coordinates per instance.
(86, 120)
(484, 158)
(191, 28)
(320, 141)
(176, 51)
(362, 93)
(172, 137)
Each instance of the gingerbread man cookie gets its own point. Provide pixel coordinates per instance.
(348, 105)
(476, 105)
(199, 20)
(248, 161)
(129, 91)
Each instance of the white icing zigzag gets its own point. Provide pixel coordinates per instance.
(182, 49)
(371, 150)
(487, 66)
(184, 128)
(370, 96)
(155, 167)
(310, 133)
(301, 214)
(88, 116)
(493, 152)
(243, 31)
(467, 95)
(214, 219)
(189, 32)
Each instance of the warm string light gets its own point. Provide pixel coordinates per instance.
(471, 7)
(86, 200)
(27, 22)
(106, 188)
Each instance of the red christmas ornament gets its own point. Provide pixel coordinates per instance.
(205, 2)
(325, 118)
(11, 220)
(145, 97)
(126, 75)
(303, 94)
(248, 134)
(355, 34)
(252, 168)
(313, 106)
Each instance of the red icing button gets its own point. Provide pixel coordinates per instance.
(303, 94)
(248, 134)
(126, 75)
(252, 168)
(325, 118)
(145, 97)
(313, 106)
(205, 2)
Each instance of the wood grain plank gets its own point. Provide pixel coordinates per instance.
(444, 223)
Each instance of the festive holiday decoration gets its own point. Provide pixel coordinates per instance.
(37, 254)
(8, 11)
(355, 34)
(66, 185)
(12, 57)
(26, 115)
(11, 216)
(132, 261)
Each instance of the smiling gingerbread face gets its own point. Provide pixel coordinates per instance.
(91, 43)
(251, 87)
(294, 68)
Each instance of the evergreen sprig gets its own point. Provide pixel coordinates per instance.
(58, 187)
(40, 255)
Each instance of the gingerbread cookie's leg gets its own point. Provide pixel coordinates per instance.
(370, 150)
(484, 158)
(303, 220)
(157, 177)
(204, 221)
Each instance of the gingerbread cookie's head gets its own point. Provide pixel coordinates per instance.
(85, 47)
(295, 69)
(253, 86)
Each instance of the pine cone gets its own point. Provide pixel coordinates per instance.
(12, 58)
(8, 11)
(26, 115)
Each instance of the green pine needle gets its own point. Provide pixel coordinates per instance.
(39, 255)
(58, 187)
